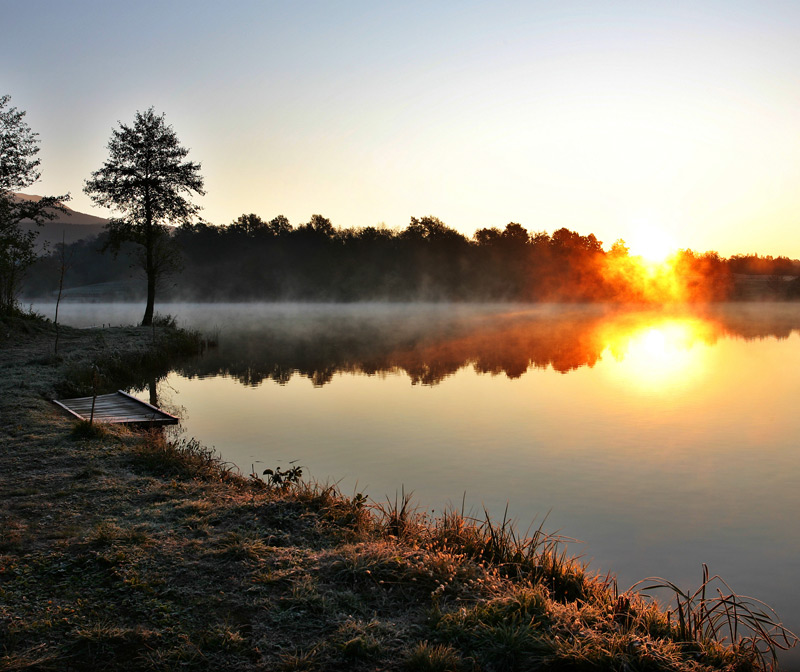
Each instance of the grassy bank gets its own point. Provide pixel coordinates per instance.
(129, 552)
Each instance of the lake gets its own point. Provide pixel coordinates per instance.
(661, 439)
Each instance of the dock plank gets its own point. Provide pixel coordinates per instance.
(117, 408)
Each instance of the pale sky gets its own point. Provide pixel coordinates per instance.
(604, 117)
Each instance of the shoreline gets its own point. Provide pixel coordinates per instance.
(131, 552)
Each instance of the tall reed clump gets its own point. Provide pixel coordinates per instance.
(715, 613)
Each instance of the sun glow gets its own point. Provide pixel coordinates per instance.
(661, 354)
(648, 267)
(652, 244)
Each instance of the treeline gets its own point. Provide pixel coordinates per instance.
(254, 259)
(753, 264)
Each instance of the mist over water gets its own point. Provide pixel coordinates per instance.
(660, 438)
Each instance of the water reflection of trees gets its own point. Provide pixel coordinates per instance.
(432, 346)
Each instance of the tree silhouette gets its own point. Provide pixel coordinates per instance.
(19, 169)
(147, 180)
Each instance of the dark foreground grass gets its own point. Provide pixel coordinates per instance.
(134, 552)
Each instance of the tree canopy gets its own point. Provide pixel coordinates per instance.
(147, 180)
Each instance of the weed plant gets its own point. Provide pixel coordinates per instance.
(284, 478)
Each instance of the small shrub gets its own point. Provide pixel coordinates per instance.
(166, 321)
(85, 430)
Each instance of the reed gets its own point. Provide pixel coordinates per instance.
(400, 518)
(715, 613)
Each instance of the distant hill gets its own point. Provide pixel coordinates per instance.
(76, 226)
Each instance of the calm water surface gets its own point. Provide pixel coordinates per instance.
(660, 439)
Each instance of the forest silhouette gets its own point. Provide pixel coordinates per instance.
(257, 260)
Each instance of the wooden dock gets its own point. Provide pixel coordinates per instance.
(117, 408)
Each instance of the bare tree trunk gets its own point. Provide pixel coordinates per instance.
(152, 386)
(150, 265)
(147, 320)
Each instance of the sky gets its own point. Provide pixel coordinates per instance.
(634, 120)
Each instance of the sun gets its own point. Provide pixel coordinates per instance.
(652, 243)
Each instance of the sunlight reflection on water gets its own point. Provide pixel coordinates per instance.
(660, 355)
